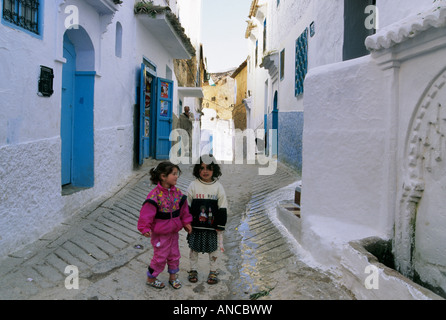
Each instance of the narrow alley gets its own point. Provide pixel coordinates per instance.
(111, 257)
(346, 97)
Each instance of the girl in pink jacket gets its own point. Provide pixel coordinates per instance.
(164, 213)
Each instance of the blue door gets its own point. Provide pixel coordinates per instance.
(164, 102)
(76, 128)
(83, 130)
(155, 115)
(144, 117)
(66, 125)
(146, 121)
(274, 143)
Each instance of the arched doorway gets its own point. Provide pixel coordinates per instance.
(76, 130)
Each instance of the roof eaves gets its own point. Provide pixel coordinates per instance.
(144, 7)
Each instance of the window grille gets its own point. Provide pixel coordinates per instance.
(23, 13)
(282, 64)
(301, 62)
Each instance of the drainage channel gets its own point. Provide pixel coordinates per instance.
(262, 250)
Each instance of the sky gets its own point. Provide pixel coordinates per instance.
(223, 33)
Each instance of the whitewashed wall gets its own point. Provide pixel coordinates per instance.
(371, 126)
(30, 144)
(257, 76)
(31, 201)
(393, 11)
(344, 173)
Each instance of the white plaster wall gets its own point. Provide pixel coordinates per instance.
(285, 23)
(152, 49)
(256, 85)
(189, 12)
(29, 138)
(288, 21)
(256, 75)
(395, 10)
(30, 188)
(345, 159)
(18, 85)
(326, 45)
(360, 118)
(419, 77)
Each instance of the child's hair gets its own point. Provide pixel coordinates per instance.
(165, 167)
(211, 162)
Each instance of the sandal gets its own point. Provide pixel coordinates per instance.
(193, 276)
(212, 277)
(156, 284)
(176, 284)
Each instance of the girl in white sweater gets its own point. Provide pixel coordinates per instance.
(208, 206)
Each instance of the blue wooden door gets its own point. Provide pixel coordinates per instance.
(164, 102)
(66, 125)
(83, 130)
(146, 121)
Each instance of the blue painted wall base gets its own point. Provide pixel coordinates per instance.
(290, 134)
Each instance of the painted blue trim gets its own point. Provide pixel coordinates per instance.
(141, 104)
(163, 119)
(67, 108)
(83, 130)
(39, 22)
(290, 138)
(150, 62)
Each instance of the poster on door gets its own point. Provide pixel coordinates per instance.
(164, 108)
(164, 90)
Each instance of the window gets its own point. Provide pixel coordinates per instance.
(356, 29)
(264, 35)
(301, 62)
(278, 2)
(151, 67)
(282, 64)
(21, 13)
(168, 73)
(118, 40)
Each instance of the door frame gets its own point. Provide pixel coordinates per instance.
(81, 133)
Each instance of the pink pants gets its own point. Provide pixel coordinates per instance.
(165, 251)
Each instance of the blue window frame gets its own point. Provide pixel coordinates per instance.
(25, 15)
(301, 62)
(282, 64)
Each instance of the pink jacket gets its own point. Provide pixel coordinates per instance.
(164, 211)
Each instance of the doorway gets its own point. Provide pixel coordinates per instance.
(356, 28)
(76, 129)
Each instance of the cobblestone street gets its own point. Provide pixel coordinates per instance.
(111, 256)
